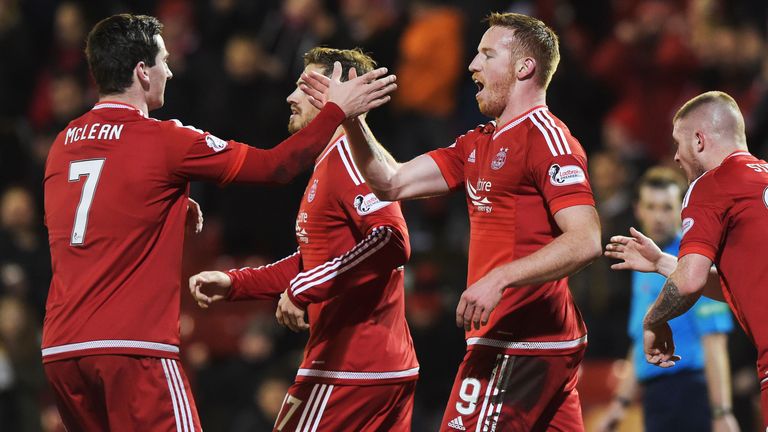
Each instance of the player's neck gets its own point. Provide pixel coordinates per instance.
(129, 98)
(521, 101)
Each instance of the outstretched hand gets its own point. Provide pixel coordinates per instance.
(637, 253)
(659, 346)
(215, 283)
(358, 95)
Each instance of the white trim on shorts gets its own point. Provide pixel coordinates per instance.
(109, 343)
(522, 345)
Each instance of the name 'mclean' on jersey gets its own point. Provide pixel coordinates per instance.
(516, 177)
(725, 218)
(115, 206)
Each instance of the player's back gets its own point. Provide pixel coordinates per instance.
(115, 206)
(743, 180)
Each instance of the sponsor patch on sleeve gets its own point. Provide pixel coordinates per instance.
(368, 204)
(687, 225)
(215, 143)
(566, 175)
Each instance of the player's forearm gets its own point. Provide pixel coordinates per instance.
(671, 303)
(265, 282)
(681, 291)
(279, 165)
(565, 255)
(718, 371)
(667, 264)
(375, 163)
(382, 251)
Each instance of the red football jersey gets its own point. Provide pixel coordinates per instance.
(348, 273)
(115, 205)
(725, 218)
(516, 177)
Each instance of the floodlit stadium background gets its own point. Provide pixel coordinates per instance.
(626, 66)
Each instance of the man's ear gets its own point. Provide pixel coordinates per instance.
(701, 141)
(525, 68)
(141, 71)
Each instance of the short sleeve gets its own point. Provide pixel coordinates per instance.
(450, 160)
(712, 316)
(558, 168)
(199, 155)
(361, 206)
(704, 209)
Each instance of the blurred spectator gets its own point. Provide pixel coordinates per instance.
(21, 372)
(266, 403)
(646, 63)
(25, 268)
(15, 79)
(226, 385)
(431, 46)
(61, 85)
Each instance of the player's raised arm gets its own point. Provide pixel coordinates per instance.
(388, 179)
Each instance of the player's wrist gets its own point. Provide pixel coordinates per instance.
(719, 412)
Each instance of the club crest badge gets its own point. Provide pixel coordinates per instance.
(500, 158)
(312, 192)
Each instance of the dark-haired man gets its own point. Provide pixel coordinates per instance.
(533, 223)
(116, 188)
(359, 370)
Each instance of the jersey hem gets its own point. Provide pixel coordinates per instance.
(100, 347)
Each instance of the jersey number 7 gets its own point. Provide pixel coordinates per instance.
(91, 169)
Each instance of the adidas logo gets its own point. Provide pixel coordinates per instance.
(458, 423)
(471, 157)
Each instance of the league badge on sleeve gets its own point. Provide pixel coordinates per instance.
(566, 175)
(687, 225)
(368, 204)
(215, 143)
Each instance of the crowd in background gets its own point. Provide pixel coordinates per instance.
(626, 66)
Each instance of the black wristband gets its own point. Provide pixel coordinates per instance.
(718, 412)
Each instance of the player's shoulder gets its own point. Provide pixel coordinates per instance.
(547, 135)
(343, 172)
(707, 187)
(475, 133)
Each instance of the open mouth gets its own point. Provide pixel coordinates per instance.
(480, 85)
